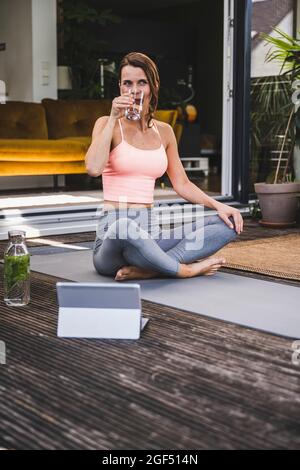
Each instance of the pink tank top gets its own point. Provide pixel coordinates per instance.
(130, 172)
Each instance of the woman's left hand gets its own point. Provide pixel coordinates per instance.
(224, 212)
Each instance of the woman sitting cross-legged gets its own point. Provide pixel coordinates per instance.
(130, 155)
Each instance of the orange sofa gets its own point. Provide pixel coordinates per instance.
(52, 137)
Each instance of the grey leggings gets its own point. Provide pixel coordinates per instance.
(134, 237)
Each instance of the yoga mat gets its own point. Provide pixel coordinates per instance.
(253, 303)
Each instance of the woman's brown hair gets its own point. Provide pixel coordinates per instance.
(137, 59)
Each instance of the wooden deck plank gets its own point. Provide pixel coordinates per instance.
(190, 382)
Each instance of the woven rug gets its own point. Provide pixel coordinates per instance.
(275, 256)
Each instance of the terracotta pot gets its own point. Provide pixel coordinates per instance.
(279, 203)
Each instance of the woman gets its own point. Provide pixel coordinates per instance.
(130, 155)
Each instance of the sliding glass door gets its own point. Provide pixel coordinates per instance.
(227, 135)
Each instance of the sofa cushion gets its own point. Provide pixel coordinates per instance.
(21, 120)
(41, 168)
(61, 150)
(66, 118)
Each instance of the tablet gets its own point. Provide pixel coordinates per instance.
(99, 310)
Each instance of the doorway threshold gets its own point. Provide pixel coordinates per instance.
(60, 221)
(79, 213)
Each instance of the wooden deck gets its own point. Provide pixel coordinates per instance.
(190, 382)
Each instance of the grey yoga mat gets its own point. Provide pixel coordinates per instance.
(253, 303)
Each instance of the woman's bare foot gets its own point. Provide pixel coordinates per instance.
(203, 267)
(133, 272)
(206, 267)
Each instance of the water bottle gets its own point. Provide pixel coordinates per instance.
(16, 270)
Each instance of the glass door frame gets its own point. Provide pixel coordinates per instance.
(227, 126)
(236, 100)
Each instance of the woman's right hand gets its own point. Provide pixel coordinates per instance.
(119, 104)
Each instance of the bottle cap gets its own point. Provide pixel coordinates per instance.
(15, 233)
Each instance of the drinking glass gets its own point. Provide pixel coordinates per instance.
(134, 111)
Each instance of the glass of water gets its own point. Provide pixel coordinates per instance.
(134, 111)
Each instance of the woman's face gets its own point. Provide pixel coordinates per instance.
(135, 77)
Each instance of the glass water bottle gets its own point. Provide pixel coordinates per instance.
(16, 270)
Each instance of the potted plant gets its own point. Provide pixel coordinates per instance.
(279, 199)
(270, 110)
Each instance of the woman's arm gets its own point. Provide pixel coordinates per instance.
(98, 152)
(189, 191)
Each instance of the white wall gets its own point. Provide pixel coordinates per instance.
(260, 68)
(16, 60)
(44, 49)
(29, 29)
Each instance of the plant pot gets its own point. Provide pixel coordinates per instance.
(279, 203)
